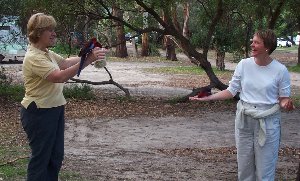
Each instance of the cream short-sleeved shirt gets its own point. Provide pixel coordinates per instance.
(37, 65)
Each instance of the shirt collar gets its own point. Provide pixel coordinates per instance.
(32, 48)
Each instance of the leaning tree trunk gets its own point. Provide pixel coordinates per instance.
(121, 49)
(275, 13)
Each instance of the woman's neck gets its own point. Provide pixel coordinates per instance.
(263, 61)
(40, 47)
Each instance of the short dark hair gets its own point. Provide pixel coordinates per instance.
(269, 38)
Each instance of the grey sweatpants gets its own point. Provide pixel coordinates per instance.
(255, 162)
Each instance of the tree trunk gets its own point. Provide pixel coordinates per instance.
(121, 49)
(298, 20)
(145, 37)
(248, 36)
(199, 59)
(186, 16)
(216, 19)
(135, 49)
(274, 14)
(170, 49)
(145, 45)
(220, 59)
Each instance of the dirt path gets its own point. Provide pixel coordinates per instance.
(166, 148)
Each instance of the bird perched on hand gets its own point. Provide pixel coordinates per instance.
(86, 50)
(205, 91)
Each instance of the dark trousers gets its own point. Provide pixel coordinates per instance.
(45, 131)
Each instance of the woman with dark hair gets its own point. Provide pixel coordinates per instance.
(264, 86)
(42, 112)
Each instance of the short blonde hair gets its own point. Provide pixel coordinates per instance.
(269, 38)
(37, 24)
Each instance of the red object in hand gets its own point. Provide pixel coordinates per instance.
(89, 46)
(204, 92)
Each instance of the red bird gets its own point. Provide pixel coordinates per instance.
(87, 50)
(204, 92)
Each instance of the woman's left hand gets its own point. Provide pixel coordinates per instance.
(97, 54)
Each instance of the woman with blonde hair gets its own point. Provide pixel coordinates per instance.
(42, 112)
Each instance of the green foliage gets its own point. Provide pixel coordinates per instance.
(7, 89)
(4, 79)
(83, 91)
(65, 49)
(14, 92)
(154, 51)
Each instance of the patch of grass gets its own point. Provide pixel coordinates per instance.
(287, 49)
(296, 100)
(16, 169)
(82, 91)
(70, 176)
(125, 99)
(193, 70)
(15, 92)
(294, 68)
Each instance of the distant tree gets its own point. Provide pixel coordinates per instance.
(121, 50)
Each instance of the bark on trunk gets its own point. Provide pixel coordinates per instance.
(298, 19)
(135, 49)
(121, 49)
(186, 16)
(145, 45)
(170, 49)
(220, 59)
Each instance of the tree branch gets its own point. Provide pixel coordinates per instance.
(127, 94)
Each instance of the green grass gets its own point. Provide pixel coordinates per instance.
(292, 49)
(192, 70)
(17, 169)
(17, 92)
(70, 176)
(294, 68)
